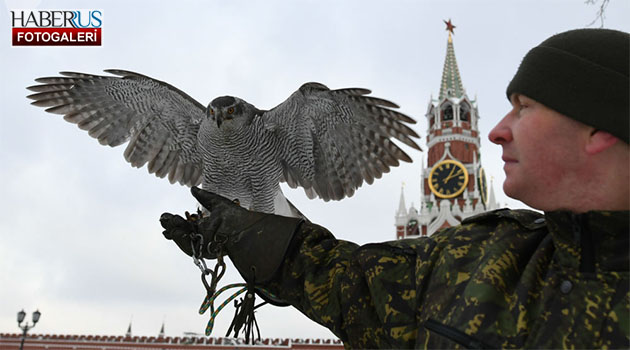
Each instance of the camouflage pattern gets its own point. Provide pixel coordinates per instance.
(503, 279)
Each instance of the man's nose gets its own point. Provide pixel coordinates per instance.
(502, 132)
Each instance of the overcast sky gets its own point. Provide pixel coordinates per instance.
(79, 233)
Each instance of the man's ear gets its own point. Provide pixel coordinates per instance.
(600, 141)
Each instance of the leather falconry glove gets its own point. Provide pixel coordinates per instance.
(255, 242)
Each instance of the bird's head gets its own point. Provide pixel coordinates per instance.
(231, 112)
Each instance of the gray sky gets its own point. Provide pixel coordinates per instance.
(79, 231)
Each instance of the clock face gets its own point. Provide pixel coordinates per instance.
(448, 179)
(483, 185)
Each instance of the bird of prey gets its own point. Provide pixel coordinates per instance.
(327, 141)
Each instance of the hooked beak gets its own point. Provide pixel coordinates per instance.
(219, 119)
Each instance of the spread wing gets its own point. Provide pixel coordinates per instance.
(334, 140)
(159, 121)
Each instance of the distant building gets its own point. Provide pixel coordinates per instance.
(98, 342)
(453, 184)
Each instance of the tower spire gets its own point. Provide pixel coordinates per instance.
(402, 208)
(492, 202)
(451, 81)
(161, 335)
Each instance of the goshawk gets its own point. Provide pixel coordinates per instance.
(327, 141)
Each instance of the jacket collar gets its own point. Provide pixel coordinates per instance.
(594, 241)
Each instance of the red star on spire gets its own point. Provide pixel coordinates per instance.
(449, 26)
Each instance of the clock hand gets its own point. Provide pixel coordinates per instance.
(449, 175)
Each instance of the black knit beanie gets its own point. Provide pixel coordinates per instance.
(582, 74)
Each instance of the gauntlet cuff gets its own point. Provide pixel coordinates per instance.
(259, 251)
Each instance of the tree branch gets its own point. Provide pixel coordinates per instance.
(600, 13)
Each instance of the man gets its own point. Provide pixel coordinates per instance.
(503, 279)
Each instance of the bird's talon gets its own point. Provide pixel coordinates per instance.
(194, 217)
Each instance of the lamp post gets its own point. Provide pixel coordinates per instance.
(25, 328)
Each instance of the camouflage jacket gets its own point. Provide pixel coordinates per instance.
(504, 279)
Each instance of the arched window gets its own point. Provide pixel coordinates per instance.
(447, 112)
(464, 112)
(412, 227)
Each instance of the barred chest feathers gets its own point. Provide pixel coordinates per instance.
(240, 163)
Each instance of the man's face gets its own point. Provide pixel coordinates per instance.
(541, 151)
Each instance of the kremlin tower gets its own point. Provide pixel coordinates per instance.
(453, 184)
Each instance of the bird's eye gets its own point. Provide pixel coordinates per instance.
(211, 111)
(230, 110)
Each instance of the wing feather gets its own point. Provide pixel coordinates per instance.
(332, 141)
(160, 121)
